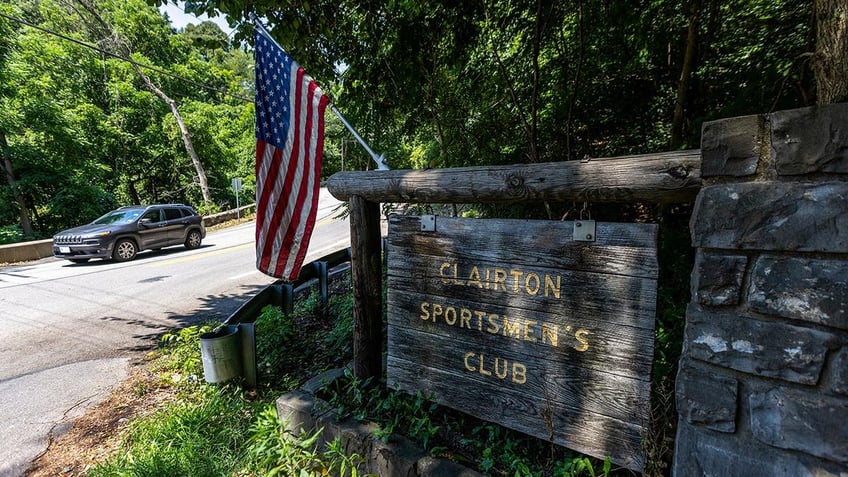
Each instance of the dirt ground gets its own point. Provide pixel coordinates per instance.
(95, 436)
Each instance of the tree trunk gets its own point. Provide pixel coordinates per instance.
(533, 134)
(26, 225)
(198, 167)
(830, 63)
(367, 274)
(685, 75)
(136, 199)
(572, 100)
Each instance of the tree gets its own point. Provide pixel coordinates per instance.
(519, 80)
(830, 61)
(685, 74)
(120, 45)
(6, 34)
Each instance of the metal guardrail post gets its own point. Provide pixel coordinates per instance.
(247, 335)
(323, 285)
(287, 302)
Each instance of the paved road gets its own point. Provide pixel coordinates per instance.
(69, 330)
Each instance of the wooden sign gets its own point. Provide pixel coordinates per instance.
(516, 322)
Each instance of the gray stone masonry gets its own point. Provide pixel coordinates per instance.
(763, 383)
(301, 411)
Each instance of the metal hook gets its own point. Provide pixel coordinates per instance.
(586, 210)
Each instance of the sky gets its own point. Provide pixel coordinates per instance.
(179, 18)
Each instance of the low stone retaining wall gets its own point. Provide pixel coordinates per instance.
(233, 214)
(301, 411)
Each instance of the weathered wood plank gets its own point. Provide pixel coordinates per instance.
(560, 377)
(625, 249)
(515, 321)
(366, 275)
(670, 177)
(625, 301)
(593, 434)
(608, 347)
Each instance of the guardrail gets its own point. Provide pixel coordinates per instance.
(282, 295)
(38, 249)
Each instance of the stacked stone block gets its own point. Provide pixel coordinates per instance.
(763, 382)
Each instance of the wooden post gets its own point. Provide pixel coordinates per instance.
(366, 271)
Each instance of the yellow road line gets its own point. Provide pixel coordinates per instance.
(198, 256)
(189, 258)
(325, 220)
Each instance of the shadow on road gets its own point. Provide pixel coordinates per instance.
(214, 308)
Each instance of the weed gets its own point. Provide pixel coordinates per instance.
(339, 339)
(493, 449)
(180, 363)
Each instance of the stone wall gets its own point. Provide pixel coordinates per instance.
(763, 382)
(302, 411)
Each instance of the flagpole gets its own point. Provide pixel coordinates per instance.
(381, 159)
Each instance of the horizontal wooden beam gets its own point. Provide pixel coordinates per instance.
(669, 177)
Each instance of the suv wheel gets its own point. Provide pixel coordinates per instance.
(193, 239)
(125, 250)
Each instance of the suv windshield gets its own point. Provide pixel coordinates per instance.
(118, 217)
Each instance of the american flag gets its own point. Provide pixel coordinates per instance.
(289, 145)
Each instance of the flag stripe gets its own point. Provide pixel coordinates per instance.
(289, 146)
(318, 148)
(293, 186)
(300, 223)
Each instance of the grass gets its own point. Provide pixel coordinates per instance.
(224, 430)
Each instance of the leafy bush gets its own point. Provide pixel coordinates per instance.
(11, 234)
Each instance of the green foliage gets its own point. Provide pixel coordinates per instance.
(273, 330)
(581, 466)
(180, 365)
(340, 338)
(12, 234)
(274, 451)
(394, 411)
(200, 436)
(430, 83)
(495, 450)
(281, 346)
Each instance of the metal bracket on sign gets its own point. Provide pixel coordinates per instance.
(428, 223)
(584, 231)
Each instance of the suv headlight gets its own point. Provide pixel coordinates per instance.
(96, 239)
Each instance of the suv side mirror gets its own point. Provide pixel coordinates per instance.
(145, 222)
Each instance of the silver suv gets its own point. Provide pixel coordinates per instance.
(124, 232)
